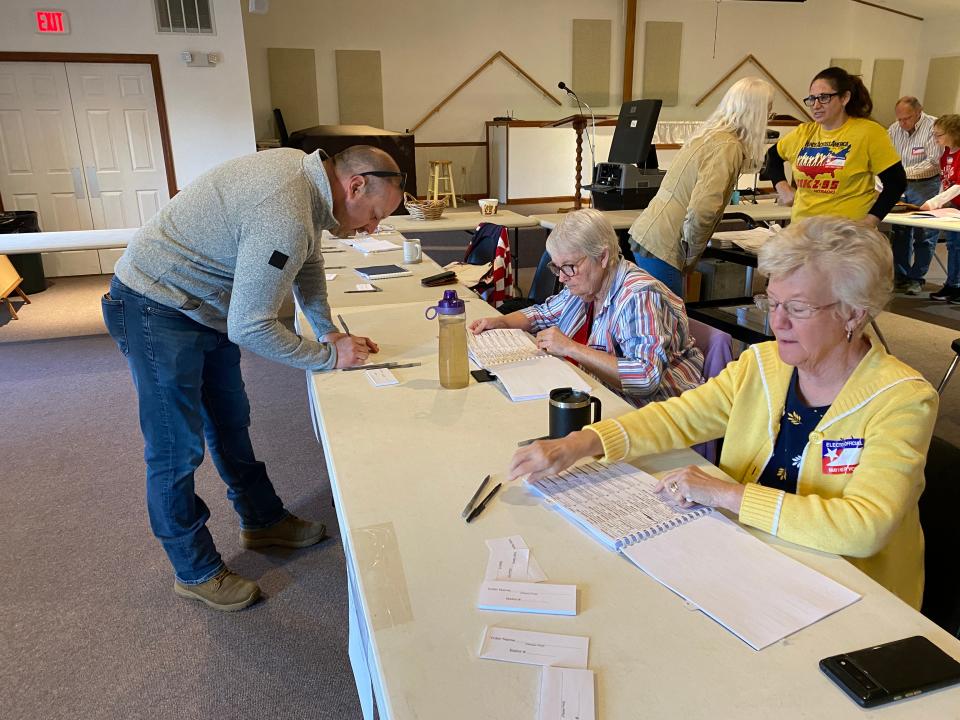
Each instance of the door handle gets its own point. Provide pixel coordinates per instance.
(93, 184)
(78, 191)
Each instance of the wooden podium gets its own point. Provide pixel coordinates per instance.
(579, 123)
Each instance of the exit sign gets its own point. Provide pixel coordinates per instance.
(53, 22)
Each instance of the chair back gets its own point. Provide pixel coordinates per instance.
(717, 348)
(483, 246)
(544, 282)
(938, 504)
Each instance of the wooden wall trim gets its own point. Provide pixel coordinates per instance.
(888, 9)
(141, 59)
(629, 44)
(451, 144)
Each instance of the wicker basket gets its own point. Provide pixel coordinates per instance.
(424, 209)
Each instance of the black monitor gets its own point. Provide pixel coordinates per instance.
(632, 139)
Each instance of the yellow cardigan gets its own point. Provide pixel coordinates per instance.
(866, 511)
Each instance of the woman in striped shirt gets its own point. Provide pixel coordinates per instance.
(611, 318)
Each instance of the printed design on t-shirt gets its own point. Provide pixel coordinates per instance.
(822, 158)
(841, 457)
(794, 417)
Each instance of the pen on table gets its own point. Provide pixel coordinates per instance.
(377, 366)
(469, 507)
(483, 503)
(343, 323)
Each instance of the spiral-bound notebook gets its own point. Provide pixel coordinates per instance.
(614, 503)
(756, 592)
(525, 371)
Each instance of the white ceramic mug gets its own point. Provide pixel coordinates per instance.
(488, 206)
(411, 251)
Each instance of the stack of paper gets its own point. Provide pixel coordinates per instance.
(511, 559)
(566, 686)
(757, 593)
(371, 245)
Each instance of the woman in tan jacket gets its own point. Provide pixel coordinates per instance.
(671, 233)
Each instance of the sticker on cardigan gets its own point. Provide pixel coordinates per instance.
(841, 457)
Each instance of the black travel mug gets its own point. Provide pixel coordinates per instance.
(570, 411)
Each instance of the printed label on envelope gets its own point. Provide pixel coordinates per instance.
(841, 457)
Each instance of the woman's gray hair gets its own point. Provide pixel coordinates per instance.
(857, 259)
(586, 231)
(743, 111)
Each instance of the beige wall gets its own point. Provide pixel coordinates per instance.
(208, 108)
(427, 53)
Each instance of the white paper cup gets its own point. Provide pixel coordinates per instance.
(488, 206)
(412, 251)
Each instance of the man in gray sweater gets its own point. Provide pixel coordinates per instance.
(204, 277)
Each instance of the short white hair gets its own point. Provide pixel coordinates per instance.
(587, 231)
(857, 259)
(744, 111)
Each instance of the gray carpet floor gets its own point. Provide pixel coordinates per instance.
(89, 625)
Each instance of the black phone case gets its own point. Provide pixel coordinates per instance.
(892, 671)
(445, 278)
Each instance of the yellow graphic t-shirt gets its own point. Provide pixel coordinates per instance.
(834, 170)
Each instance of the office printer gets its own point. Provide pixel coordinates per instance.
(630, 178)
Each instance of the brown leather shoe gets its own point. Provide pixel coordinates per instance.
(226, 591)
(290, 532)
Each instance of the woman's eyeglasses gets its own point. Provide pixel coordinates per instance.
(567, 269)
(388, 174)
(822, 98)
(795, 309)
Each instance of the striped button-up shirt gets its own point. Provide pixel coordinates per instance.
(919, 152)
(648, 326)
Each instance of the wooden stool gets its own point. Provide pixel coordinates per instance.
(441, 171)
(10, 283)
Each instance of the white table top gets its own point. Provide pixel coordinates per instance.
(910, 220)
(623, 219)
(452, 220)
(15, 243)
(395, 290)
(403, 461)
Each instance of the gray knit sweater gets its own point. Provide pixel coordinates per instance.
(227, 250)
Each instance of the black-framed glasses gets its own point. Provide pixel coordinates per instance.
(822, 98)
(795, 309)
(568, 269)
(387, 174)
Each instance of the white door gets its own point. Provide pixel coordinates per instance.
(40, 164)
(119, 134)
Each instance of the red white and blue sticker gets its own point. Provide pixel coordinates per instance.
(841, 457)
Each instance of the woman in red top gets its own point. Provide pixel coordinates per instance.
(946, 131)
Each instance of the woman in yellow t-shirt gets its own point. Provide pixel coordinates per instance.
(836, 158)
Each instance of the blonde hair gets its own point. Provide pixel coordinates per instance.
(857, 259)
(950, 124)
(587, 231)
(744, 111)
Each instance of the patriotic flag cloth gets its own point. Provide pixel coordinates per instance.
(497, 285)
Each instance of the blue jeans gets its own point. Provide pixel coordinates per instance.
(953, 258)
(924, 242)
(662, 271)
(189, 387)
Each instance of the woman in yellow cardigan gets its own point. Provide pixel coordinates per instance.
(825, 432)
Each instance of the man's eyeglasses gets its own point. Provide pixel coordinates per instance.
(795, 309)
(388, 174)
(822, 98)
(568, 269)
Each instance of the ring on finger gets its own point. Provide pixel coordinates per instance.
(673, 487)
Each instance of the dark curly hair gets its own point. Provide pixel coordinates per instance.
(859, 105)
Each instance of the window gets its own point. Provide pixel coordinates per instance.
(184, 16)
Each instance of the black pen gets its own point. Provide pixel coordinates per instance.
(344, 323)
(469, 507)
(483, 503)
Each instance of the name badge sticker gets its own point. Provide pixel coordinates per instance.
(841, 457)
(918, 151)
